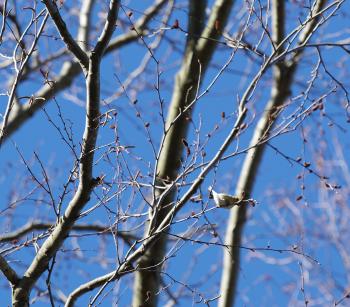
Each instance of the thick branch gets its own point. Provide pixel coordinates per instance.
(84, 24)
(82, 195)
(9, 273)
(283, 79)
(197, 56)
(71, 44)
(108, 28)
(86, 182)
(212, 32)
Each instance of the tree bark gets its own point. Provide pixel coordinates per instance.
(283, 74)
(65, 223)
(200, 47)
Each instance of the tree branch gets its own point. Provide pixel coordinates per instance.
(199, 50)
(86, 181)
(11, 99)
(283, 78)
(70, 71)
(37, 225)
(71, 44)
(108, 28)
(84, 24)
(9, 273)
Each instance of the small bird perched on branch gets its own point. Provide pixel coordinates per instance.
(223, 200)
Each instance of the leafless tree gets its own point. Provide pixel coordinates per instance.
(110, 218)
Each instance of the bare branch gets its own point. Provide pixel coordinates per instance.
(9, 273)
(84, 24)
(108, 29)
(26, 57)
(280, 90)
(37, 225)
(65, 34)
(70, 71)
(86, 180)
(168, 161)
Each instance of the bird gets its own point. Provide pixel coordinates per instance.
(223, 200)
